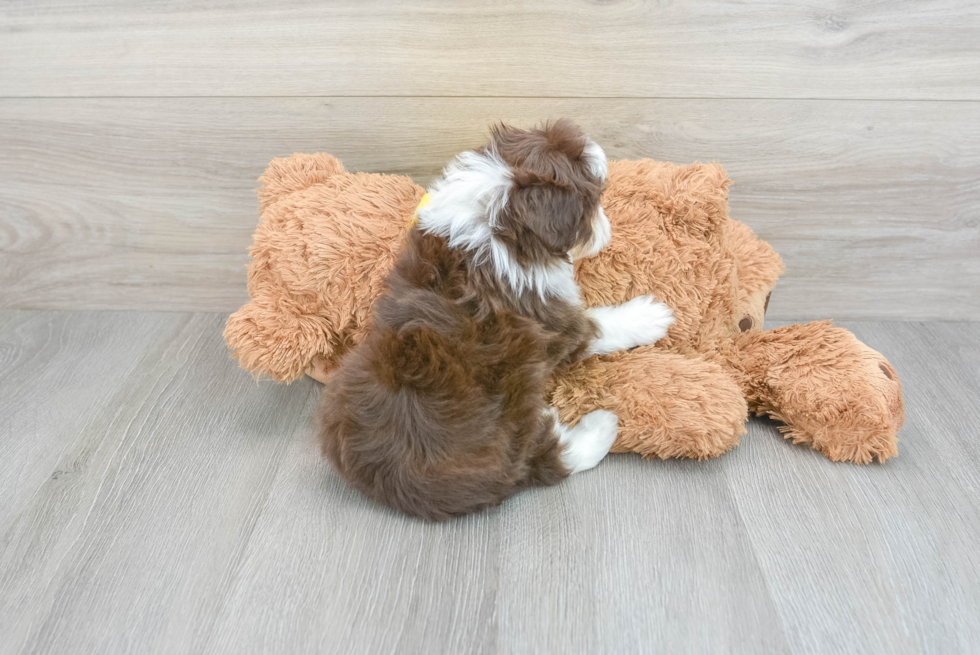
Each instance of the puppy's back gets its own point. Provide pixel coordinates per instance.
(438, 413)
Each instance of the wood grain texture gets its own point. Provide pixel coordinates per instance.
(174, 505)
(693, 48)
(148, 203)
(58, 370)
(871, 559)
(148, 458)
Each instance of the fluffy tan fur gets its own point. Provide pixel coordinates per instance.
(327, 238)
(320, 253)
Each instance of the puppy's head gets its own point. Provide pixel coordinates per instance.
(552, 207)
(532, 194)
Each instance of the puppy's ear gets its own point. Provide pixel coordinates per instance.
(553, 187)
(542, 217)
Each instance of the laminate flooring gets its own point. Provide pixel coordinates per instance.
(157, 499)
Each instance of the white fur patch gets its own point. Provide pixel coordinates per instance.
(464, 202)
(556, 280)
(601, 234)
(589, 441)
(463, 208)
(640, 322)
(596, 158)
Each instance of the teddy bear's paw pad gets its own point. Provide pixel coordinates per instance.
(641, 321)
(588, 442)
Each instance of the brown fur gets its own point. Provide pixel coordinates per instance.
(441, 411)
(552, 201)
(687, 396)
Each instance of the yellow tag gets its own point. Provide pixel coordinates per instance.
(426, 199)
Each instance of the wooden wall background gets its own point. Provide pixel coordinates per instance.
(131, 134)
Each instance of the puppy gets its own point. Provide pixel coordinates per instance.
(442, 410)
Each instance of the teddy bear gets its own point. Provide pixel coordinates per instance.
(327, 238)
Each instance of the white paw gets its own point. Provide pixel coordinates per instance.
(589, 441)
(647, 320)
(641, 321)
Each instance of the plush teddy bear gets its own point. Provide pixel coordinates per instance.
(327, 238)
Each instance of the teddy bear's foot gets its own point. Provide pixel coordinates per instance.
(834, 393)
(668, 405)
(856, 445)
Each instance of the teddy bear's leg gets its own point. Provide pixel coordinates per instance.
(668, 405)
(833, 393)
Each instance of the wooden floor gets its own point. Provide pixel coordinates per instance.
(158, 500)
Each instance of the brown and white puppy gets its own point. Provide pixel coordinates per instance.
(442, 410)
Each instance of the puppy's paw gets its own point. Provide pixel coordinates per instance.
(588, 442)
(646, 320)
(641, 321)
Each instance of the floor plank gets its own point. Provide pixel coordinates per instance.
(540, 574)
(709, 48)
(58, 371)
(148, 203)
(135, 531)
(161, 501)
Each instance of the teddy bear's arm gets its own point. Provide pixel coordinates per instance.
(269, 341)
